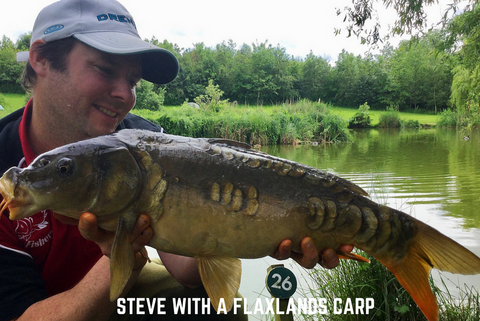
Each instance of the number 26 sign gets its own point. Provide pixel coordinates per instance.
(281, 282)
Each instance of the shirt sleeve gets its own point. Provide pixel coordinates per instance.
(22, 284)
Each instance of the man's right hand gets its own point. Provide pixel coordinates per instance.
(139, 237)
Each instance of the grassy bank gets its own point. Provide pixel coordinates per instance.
(11, 102)
(304, 121)
(424, 119)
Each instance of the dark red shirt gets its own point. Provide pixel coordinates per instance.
(39, 256)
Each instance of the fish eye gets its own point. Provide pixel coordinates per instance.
(65, 166)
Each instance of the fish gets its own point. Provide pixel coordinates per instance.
(219, 200)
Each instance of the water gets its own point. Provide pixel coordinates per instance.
(431, 174)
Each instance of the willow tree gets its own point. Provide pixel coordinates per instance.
(411, 16)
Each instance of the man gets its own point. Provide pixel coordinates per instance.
(84, 62)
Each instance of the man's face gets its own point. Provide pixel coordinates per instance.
(95, 93)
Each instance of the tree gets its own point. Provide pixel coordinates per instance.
(10, 70)
(411, 17)
(316, 78)
(149, 96)
(23, 41)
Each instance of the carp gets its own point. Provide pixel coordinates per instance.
(219, 200)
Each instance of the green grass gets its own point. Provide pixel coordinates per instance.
(424, 119)
(11, 102)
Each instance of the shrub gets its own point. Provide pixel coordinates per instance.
(211, 100)
(448, 118)
(411, 124)
(149, 97)
(390, 119)
(361, 119)
(333, 128)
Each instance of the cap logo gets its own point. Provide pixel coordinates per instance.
(114, 17)
(53, 29)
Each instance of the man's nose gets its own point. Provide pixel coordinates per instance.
(122, 89)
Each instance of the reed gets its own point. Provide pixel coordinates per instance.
(287, 124)
(360, 280)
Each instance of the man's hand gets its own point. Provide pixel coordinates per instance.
(139, 237)
(309, 256)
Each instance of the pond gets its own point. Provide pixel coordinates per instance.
(430, 174)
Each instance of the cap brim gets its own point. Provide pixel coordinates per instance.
(159, 65)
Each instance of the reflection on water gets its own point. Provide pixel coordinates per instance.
(432, 174)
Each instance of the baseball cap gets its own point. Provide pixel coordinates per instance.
(106, 26)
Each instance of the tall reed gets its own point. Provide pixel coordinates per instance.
(287, 124)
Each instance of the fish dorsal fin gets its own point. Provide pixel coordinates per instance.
(221, 278)
(121, 260)
(229, 143)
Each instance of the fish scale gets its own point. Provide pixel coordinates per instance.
(219, 200)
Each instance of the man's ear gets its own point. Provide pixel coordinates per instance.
(37, 61)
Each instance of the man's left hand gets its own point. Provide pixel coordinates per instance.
(310, 256)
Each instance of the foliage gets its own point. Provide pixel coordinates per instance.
(149, 96)
(411, 17)
(211, 101)
(448, 118)
(352, 279)
(411, 124)
(283, 124)
(463, 40)
(333, 128)
(361, 119)
(10, 70)
(390, 119)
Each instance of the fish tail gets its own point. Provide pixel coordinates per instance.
(430, 249)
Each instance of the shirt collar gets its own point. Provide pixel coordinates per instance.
(23, 133)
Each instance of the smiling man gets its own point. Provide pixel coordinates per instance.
(85, 60)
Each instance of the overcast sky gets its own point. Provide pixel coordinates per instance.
(300, 26)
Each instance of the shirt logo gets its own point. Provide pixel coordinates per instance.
(31, 226)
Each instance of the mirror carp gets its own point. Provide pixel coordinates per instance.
(218, 200)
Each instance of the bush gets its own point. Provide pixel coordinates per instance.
(390, 119)
(333, 128)
(361, 119)
(149, 97)
(211, 100)
(448, 118)
(411, 124)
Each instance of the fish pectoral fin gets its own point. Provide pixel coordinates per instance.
(121, 260)
(221, 278)
(352, 256)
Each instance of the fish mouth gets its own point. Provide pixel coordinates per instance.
(18, 201)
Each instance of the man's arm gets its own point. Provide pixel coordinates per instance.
(90, 298)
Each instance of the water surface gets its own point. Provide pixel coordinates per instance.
(431, 174)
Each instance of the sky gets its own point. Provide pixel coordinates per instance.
(300, 26)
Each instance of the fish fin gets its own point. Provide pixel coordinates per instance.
(413, 273)
(144, 253)
(221, 278)
(352, 256)
(445, 254)
(354, 188)
(229, 143)
(121, 260)
(430, 249)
